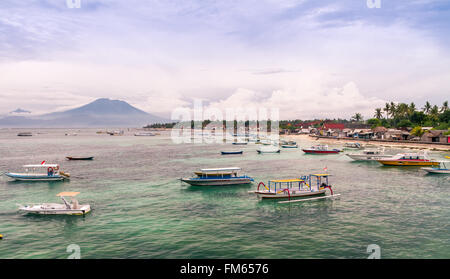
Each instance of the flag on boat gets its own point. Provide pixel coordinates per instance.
(325, 168)
(43, 162)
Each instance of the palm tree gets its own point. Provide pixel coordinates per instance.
(444, 107)
(387, 109)
(412, 108)
(357, 117)
(427, 107)
(393, 109)
(378, 113)
(434, 113)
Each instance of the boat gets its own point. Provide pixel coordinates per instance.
(115, 133)
(145, 134)
(408, 159)
(448, 157)
(368, 155)
(263, 150)
(321, 149)
(24, 134)
(354, 145)
(240, 143)
(79, 158)
(231, 152)
(289, 146)
(442, 168)
(66, 208)
(42, 172)
(218, 177)
(313, 185)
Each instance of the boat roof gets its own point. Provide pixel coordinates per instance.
(221, 169)
(67, 194)
(287, 180)
(321, 174)
(41, 166)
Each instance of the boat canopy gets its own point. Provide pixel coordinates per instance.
(41, 166)
(321, 174)
(287, 180)
(221, 169)
(67, 194)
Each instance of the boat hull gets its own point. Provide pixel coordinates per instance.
(308, 151)
(79, 158)
(285, 195)
(289, 146)
(407, 163)
(231, 152)
(437, 171)
(216, 182)
(262, 151)
(34, 210)
(364, 157)
(23, 177)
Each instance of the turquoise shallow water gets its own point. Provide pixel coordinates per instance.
(141, 210)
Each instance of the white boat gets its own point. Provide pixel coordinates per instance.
(271, 149)
(354, 145)
(295, 188)
(66, 208)
(218, 177)
(442, 168)
(368, 155)
(42, 172)
(145, 134)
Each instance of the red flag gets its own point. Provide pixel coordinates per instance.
(325, 169)
(43, 162)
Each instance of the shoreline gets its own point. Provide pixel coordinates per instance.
(412, 145)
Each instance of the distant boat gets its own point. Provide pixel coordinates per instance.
(289, 146)
(368, 155)
(115, 133)
(25, 134)
(268, 150)
(240, 143)
(79, 158)
(442, 168)
(145, 134)
(231, 152)
(320, 149)
(354, 145)
(65, 208)
(218, 177)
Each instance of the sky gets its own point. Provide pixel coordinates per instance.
(307, 58)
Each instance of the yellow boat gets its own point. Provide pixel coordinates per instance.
(448, 157)
(408, 159)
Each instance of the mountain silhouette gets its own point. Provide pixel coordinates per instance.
(99, 113)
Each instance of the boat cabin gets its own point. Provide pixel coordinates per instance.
(219, 172)
(50, 169)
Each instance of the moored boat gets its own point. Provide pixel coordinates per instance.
(218, 177)
(24, 134)
(289, 146)
(442, 168)
(66, 208)
(354, 145)
(273, 149)
(368, 155)
(320, 149)
(231, 152)
(145, 134)
(79, 158)
(308, 186)
(408, 159)
(42, 172)
(240, 143)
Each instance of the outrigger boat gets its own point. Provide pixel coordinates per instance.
(218, 177)
(42, 172)
(321, 149)
(409, 159)
(66, 208)
(369, 155)
(442, 168)
(296, 188)
(240, 143)
(268, 150)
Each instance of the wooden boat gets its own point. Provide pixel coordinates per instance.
(368, 155)
(264, 150)
(79, 158)
(408, 159)
(42, 172)
(65, 208)
(307, 186)
(442, 168)
(24, 134)
(218, 177)
(240, 143)
(231, 152)
(321, 149)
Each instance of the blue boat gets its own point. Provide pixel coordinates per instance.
(218, 177)
(231, 152)
(42, 172)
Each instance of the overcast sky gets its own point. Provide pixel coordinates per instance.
(309, 58)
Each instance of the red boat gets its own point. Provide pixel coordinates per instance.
(321, 149)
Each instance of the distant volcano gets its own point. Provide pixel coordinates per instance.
(100, 113)
(19, 111)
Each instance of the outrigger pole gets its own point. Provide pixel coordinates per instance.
(319, 198)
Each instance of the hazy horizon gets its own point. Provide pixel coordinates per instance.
(310, 59)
